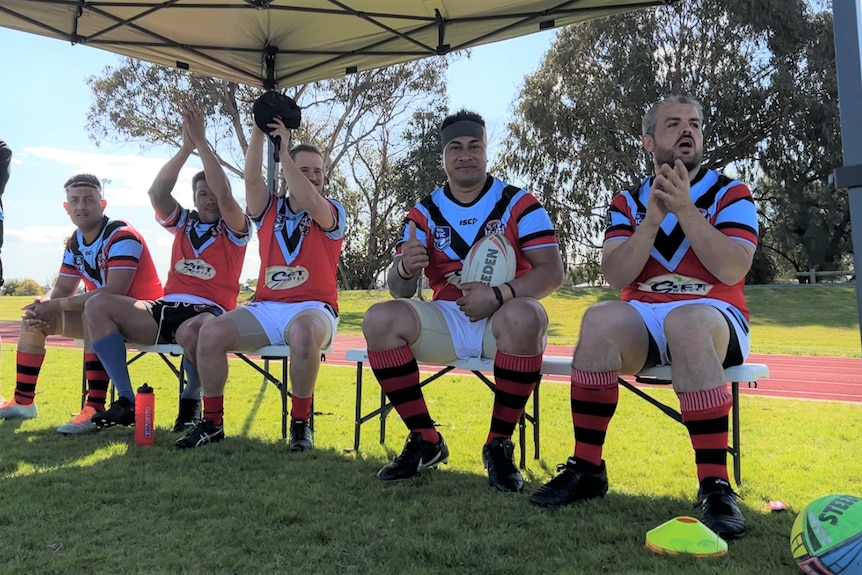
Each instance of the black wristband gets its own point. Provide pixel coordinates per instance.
(514, 295)
(398, 267)
(499, 295)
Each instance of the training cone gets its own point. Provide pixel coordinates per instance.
(685, 535)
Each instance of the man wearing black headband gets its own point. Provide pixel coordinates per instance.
(108, 256)
(465, 320)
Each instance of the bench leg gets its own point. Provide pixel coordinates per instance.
(735, 450)
(357, 421)
(536, 421)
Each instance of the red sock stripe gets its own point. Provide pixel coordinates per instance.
(214, 409)
(523, 363)
(705, 404)
(27, 369)
(594, 378)
(300, 408)
(391, 357)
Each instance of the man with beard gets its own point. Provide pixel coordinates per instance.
(677, 247)
(296, 300)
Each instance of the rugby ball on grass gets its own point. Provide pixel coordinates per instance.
(491, 261)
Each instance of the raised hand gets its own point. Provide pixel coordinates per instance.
(673, 188)
(193, 125)
(277, 130)
(414, 256)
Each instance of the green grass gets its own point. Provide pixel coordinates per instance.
(791, 320)
(99, 504)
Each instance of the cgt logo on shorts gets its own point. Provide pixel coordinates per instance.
(285, 277)
(195, 268)
(675, 284)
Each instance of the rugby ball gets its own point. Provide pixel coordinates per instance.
(491, 261)
(826, 537)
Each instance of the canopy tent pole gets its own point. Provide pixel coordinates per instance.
(847, 25)
(270, 167)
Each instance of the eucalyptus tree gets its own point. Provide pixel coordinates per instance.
(759, 67)
(346, 118)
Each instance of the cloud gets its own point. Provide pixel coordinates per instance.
(126, 177)
(40, 234)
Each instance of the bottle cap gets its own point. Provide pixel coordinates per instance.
(145, 389)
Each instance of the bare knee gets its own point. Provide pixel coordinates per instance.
(696, 328)
(187, 333)
(217, 336)
(522, 317)
(389, 321)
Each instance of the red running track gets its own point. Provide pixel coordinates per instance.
(804, 377)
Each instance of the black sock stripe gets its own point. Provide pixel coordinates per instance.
(591, 436)
(710, 456)
(516, 376)
(707, 426)
(593, 408)
(510, 400)
(27, 370)
(399, 396)
(500, 427)
(419, 421)
(25, 387)
(384, 373)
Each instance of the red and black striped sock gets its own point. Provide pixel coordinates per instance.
(704, 413)
(398, 374)
(97, 381)
(594, 401)
(214, 409)
(27, 366)
(515, 377)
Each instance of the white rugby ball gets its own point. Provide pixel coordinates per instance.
(491, 261)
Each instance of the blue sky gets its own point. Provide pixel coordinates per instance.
(43, 108)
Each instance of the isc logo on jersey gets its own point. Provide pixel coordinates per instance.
(196, 269)
(284, 277)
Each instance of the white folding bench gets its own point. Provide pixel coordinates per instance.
(479, 368)
(268, 354)
(554, 365)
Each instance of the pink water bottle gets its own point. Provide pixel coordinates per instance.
(145, 416)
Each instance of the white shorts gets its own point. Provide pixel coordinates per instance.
(654, 314)
(275, 317)
(448, 334)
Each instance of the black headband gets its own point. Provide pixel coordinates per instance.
(82, 183)
(462, 128)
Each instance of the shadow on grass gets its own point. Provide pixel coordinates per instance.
(249, 506)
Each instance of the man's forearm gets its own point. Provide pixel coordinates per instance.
(400, 286)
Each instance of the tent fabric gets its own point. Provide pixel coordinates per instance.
(282, 43)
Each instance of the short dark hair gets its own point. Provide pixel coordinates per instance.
(83, 181)
(197, 178)
(460, 115)
(304, 148)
